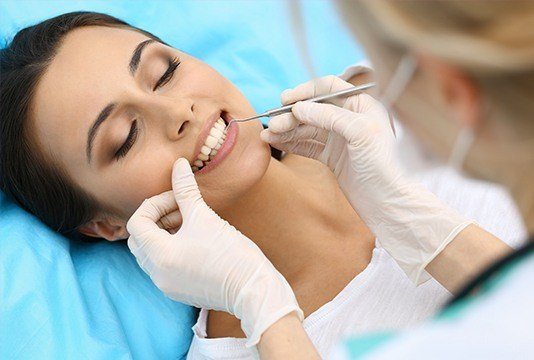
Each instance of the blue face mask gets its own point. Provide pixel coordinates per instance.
(400, 79)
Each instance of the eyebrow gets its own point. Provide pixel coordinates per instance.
(136, 57)
(106, 111)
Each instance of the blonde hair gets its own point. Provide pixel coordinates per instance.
(491, 41)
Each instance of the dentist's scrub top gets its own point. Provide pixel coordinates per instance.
(493, 318)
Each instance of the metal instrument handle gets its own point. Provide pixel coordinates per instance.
(321, 99)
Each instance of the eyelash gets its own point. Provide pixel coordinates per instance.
(167, 75)
(132, 135)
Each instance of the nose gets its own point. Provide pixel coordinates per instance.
(174, 116)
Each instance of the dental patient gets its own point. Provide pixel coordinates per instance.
(94, 114)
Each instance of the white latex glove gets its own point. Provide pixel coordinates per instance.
(208, 263)
(356, 141)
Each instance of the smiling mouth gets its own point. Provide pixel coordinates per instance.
(213, 142)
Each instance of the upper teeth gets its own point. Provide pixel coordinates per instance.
(212, 144)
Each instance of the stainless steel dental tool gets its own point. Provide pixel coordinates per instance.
(319, 99)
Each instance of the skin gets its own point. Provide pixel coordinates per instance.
(319, 251)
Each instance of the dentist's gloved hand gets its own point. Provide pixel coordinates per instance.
(208, 263)
(354, 138)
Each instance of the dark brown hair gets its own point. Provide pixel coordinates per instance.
(36, 183)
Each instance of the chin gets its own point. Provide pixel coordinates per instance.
(241, 169)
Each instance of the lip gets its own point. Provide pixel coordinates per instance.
(226, 147)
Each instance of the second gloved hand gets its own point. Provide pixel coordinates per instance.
(354, 138)
(208, 263)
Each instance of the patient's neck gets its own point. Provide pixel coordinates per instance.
(300, 220)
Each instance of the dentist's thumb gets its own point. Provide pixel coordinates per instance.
(185, 187)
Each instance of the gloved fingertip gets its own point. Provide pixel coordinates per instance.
(184, 185)
(181, 166)
(282, 123)
(299, 108)
(265, 135)
(132, 245)
(270, 137)
(286, 96)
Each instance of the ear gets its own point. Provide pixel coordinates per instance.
(460, 91)
(106, 227)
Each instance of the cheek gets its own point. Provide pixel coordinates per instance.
(150, 175)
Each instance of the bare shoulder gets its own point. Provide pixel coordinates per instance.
(221, 324)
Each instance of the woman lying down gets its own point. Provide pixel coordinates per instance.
(105, 109)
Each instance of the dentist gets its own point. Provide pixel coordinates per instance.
(461, 75)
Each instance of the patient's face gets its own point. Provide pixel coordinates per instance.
(161, 119)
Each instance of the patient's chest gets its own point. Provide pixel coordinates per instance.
(380, 298)
(328, 280)
(311, 294)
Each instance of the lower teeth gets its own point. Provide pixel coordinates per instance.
(197, 166)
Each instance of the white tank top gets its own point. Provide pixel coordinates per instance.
(380, 298)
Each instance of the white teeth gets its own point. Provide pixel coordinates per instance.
(211, 141)
(212, 145)
(216, 133)
(205, 150)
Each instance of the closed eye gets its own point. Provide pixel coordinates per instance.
(132, 135)
(167, 75)
(130, 140)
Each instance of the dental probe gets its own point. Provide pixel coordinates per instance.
(319, 99)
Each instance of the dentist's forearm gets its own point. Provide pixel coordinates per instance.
(286, 339)
(472, 251)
